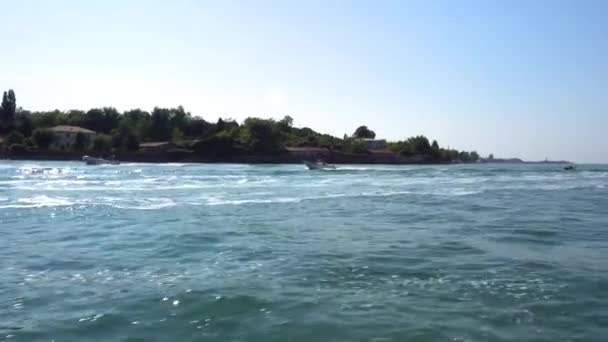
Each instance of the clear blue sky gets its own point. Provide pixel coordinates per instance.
(515, 78)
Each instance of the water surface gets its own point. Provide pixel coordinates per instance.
(188, 252)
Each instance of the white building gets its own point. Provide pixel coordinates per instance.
(64, 137)
(374, 144)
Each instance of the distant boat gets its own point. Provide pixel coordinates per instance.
(318, 165)
(571, 167)
(99, 161)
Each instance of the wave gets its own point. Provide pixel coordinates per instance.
(42, 170)
(38, 202)
(215, 201)
(148, 206)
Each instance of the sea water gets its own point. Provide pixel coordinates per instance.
(195, 252)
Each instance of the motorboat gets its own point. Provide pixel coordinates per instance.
(99, 161)
(318, 165)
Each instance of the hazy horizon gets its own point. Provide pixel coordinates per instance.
(514, 79)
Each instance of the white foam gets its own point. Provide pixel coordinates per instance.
(213, 201)
(43, 201)
(149, 204)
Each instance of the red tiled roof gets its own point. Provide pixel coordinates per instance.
(155, 144)
(71, 129)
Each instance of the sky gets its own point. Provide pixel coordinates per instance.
(514, 78)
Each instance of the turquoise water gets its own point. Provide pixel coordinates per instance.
(183, 252)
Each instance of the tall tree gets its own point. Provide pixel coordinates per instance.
(420, 144)
(23, 123)
(286, 123)
(160, 124)
(363, 132)
(8, 109)
(262, 135)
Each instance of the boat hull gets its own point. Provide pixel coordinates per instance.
(99, 161)
(318, 166)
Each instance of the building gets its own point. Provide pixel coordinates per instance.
(64, 137)
(374, 144)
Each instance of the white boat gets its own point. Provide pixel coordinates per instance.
(318, 165)
(99, 161)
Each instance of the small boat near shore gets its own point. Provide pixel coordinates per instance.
(570, 167)
(319, 165)
(100, 161)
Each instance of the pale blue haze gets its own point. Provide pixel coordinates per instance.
(516, 78)
(208, 252)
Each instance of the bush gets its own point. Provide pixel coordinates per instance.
(132, 143)
(14, 138)
(218, 146)
(177, 135)
(103, 142)
(359, 148)
(43, 138)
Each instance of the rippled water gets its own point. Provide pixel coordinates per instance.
(189, 252)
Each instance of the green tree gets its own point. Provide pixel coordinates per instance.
(102, 142)
(48, 119)
(24, 123)
(102, 120)
(43, 138)
(180, 119)
(362, 132)
(225, 125)
(14, 138)
(420, 144)
(407, 149)
(286, 123)
(474, 156)
(8, 109)
(262, 136)
(132, 142)
(177, 135)
(358, 147)
(75, 118)
(160, 124)
(199, 128)
(435, 151)
(138, 121)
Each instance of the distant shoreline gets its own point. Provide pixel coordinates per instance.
(283, 158)
(185, 157)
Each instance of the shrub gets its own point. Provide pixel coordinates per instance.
(359, 147)
(43, 138)
(103, 142)
(14, 138)
(132, 143)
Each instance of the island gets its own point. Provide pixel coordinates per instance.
(175, 135)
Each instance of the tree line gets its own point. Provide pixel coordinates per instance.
(124, 131)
